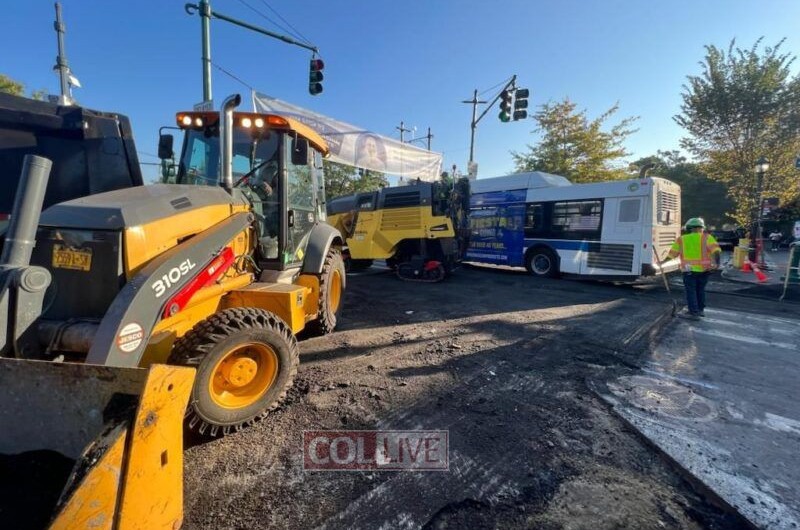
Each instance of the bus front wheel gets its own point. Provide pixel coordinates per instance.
(542, 262)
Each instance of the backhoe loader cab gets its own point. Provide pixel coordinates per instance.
(275, 162)
(219, 276)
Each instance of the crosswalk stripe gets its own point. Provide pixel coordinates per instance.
(743, 338)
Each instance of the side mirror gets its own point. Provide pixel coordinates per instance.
(299, 151)
(165, 151)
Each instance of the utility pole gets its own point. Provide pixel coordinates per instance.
(61, 60)
(428, 136)
(474, 123)
(402, 130)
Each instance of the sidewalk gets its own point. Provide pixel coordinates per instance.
(776, 269)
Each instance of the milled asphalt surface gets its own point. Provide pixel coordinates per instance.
(720, 397)
(501, 361)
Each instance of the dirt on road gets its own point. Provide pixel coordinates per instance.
(498, 359)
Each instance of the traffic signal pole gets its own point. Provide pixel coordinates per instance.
(204, 8)
(205, 28)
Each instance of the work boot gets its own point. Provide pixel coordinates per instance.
(688, 315)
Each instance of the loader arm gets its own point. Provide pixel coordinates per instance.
(131, 317)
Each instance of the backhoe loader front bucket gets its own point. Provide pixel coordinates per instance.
(88, 446)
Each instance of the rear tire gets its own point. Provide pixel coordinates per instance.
(331, 291)
(542, 262)
(246, 360)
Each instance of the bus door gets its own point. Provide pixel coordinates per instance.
(619, 250)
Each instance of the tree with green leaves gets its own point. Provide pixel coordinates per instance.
(700, 195)
(576, 147)
(745, 104)
(10, 86)
(341, 179)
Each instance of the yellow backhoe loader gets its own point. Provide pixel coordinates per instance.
(217, 278)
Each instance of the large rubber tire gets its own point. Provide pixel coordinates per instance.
(220, 348)
(542, 262)
(331, 292)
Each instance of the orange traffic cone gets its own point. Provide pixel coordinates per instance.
(760, 275)
(746, 266)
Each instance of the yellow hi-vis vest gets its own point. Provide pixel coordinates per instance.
(695, 250)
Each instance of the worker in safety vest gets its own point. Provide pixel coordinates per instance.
(699, 253)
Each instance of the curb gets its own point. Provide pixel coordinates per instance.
(648, 333)
(724, 274)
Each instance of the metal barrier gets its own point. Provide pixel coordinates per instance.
(792, 268)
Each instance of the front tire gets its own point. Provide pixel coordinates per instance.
(331, 291)
(542, 262)
(246, 360)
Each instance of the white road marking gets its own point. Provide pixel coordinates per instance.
(780, 423)
(744, 338)
(752, 324)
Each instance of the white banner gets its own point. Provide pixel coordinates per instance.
(352, 146)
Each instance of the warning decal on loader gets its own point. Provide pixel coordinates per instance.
(130, 337)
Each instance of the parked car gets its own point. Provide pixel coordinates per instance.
(727, 239)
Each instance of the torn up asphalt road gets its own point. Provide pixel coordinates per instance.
(498, 359)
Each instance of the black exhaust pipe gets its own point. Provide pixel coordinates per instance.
(22, 286)
(21, 234)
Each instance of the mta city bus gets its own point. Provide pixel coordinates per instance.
(604, 230)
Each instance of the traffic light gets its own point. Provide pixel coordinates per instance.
(505, 105)
(315, 77)
(520, 104)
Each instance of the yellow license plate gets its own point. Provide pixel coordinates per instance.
(72, 258)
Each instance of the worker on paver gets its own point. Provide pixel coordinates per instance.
(700, 254)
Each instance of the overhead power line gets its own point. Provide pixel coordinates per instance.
(284, 27)
(292, 28)
(490, 89)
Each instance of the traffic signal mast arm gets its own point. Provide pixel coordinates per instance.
(315, 75)
(192, 8)
(508, 86)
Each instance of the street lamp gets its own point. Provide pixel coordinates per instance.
(756, 252)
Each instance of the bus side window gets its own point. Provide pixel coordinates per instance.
(534, 220)
(577, 219)
(629, 210)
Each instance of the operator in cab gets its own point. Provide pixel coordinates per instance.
(699, 254)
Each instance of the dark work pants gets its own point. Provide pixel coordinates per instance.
(695, 285)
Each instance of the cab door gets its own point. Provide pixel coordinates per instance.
(302, 211)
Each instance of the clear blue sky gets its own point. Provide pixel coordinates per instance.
(391, 61)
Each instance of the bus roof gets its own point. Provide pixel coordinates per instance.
(519, 181)
(512, 188)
